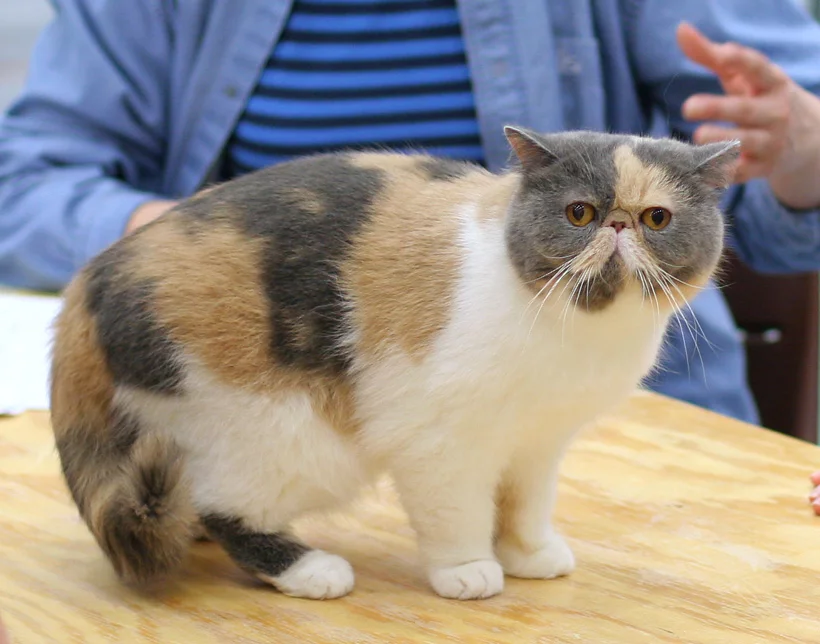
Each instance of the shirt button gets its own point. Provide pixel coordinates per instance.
(231, 91)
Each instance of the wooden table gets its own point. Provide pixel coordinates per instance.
(687, 527)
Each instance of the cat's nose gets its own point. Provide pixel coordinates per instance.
(618, 221)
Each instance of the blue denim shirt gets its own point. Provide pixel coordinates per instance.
(131, 101)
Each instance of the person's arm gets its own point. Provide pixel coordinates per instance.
(88, 129)
(775, 212)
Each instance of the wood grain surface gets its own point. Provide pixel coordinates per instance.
(688, 527)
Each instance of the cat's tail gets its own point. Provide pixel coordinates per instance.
(127, 483)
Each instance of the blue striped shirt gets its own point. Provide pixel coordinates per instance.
(361, 74)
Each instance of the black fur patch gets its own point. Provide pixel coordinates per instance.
(124, 541)
(124, 429)
(74, 450)
(439, 169)
(135, 534)
(600, 291)
(305, 249)
(84, 449)
(154, 483)
(256, 552)
(138, 351)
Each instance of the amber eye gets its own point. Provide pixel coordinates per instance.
(580, 213)
(656, 218)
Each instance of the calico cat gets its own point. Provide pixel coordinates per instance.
(276, 343)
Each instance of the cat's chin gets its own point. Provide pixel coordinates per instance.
(615, 278)
(597, 293)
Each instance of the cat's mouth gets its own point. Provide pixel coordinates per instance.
(600, 288)
(614, 262)
(610, 264)
(603, 270)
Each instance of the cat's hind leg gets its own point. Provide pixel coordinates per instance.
(254, 463)
(281, 560)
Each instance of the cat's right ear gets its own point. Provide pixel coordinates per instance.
(530, 148)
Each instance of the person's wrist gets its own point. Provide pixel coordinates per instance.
(146, 213)
(795, 180)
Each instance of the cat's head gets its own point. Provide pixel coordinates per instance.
(603, 212)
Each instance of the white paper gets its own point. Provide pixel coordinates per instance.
(25, 345)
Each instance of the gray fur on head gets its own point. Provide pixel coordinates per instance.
(621, 177)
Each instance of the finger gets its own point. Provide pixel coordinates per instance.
(758, 144)
(748, 169)
(726, 58)
(698, 47)
(747, 111)
(753, 65)
(815, 478)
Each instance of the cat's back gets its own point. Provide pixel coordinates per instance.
(275, 269)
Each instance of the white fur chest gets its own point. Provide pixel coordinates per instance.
(503, 363)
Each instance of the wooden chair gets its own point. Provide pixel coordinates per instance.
(778, 318)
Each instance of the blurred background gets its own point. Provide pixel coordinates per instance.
(20, 22)
(777, 316)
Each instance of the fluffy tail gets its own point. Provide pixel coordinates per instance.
(126, 483)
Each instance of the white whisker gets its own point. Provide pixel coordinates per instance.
(571, 300)
(680, 281)
(555, 281)
(695, 332)
(562, 271)
(540, 277)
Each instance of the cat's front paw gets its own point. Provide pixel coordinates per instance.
(553, 559)
(474, 580)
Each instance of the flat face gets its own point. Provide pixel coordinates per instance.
(608, 210)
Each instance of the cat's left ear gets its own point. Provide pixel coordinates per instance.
(529, 147)
(717, 162)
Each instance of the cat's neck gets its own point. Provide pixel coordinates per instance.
(495, 197)
(499, 321)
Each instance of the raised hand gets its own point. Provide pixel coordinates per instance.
(776, 121)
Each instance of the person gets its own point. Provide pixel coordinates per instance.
(814, 497)
(131, 106)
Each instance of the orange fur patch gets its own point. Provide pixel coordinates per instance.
(81, 385)
(640, 186)
(496, 195)
(81, 396)
(209, 297)
(404, 264)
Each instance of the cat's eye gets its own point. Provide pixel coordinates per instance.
(580, 213)
(656, 218)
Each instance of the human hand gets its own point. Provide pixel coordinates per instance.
(815, 495)
(4, 634)
(776, 121)
(145, 214)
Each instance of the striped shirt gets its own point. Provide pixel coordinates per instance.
(361, 74)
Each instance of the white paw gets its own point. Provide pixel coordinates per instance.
(317, 575)
(476, 580)
(553, 559)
